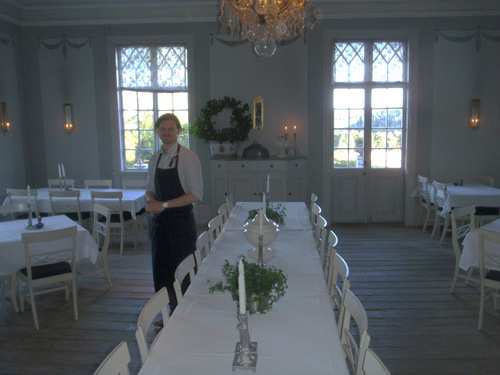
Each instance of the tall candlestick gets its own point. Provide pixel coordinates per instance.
(59, 170)
(28, 193)
(268, 184)
(261, 223)
(241, 288)
(294, 129)
(63, 171)
(286, 133)
(264, 202)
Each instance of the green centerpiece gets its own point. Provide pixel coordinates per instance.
(276, 214)
(264, 285)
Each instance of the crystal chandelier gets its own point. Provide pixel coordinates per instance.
(265, 22)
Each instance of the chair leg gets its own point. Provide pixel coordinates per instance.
(13, 295)
(105, 266)
(33, 307)
(445, 228)
(455, 278)
(469, 274)
(481, 308)
(122, 235)
(426, 222)
(75, 298)
(435, 228)
(420, 211)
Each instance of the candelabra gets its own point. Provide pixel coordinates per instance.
(245, 353)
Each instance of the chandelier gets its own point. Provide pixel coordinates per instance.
(265, 22)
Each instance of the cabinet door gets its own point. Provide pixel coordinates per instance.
(297, 181)
(219, 184)
(243, 187)
(277, 186)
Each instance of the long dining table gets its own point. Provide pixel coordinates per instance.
(469, 194)
(297, 336)
(12, 257)
(133, 199)
(470, 251)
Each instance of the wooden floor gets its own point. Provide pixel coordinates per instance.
(401, 276)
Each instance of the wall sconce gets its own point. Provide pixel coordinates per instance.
(68, 118)
(474, 113)
(4, 118)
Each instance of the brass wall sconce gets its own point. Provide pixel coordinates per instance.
(258, 113)
(474, 113)
(4, 118)
(68, 118)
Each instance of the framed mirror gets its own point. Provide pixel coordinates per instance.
(258, 113)
(68, 117)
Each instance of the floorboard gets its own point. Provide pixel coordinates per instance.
(400, 274)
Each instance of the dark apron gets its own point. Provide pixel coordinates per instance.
(173, 232)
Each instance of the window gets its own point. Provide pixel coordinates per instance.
(369, 103)
(151, 80)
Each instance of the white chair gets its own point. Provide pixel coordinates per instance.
(224, 212)
(203, 246)
(315, 212)
(24, 193)
(338, 281)
(158, 304)
(67, 202)
(314, 199)
(185, 268)
(116, 363)
(373, 365)
(462, 222)
(101, 234)
(440, 198)
(56, 183)
(141, 215)
(49, 266)
(320, 237)
(354, 348)
(489, 266)
(97, 184)
(333, 241)
(486, 180)
(214, 228)
(425, 201)
(230, 202)
(119, 219)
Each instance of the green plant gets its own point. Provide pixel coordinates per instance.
(277, 214)
(241, 121)
(263, 285)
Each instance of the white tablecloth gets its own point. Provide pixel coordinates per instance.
(133, 200)
(470, 252)
(12, 256)
(470, 194)
(298, 335)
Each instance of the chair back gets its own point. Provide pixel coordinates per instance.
(65, 202)
(440, 193)
(13, 209)
(462, 222)
(224, 212)
(101, 227)
(203, 244)
(314, 199)
(156, 305)
(230, 202)
(373, 365)
(354, 349)
(110, 199)
(11, 193)
(320, 237)
(186, 267)
(424, 191)
(56, 183)
(486, 180)
(315, 212)
(97, 184)
(214, 229)
(332, 241)
(339, 273)
(116, 363)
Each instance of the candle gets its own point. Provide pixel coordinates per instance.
(294, 129)
(59, 170)
(264, 202)
(268, 185)
(63, 171)
(28, 193)
(241, 288)
(261, 223)
(286, 133)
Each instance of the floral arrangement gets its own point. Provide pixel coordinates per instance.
(241, 121)
(276, 214)
(264, 285)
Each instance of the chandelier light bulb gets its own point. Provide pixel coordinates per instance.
(265, 47)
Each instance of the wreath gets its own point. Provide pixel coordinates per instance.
(241, 121)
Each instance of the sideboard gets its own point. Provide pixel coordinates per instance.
(246, 179)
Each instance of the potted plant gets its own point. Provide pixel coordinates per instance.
(223, 142)
(264, 285)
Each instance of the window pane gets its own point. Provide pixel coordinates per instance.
(180, 100)
(349, 62)
(378, 139)
(378, 158)
(394, 138)
(340, 139)
(135, 67)
(395, 118)
(348, 98)
(394, 158)
(131, 139)
(356, 159)
(387, 98)
(129, 99)
(356, 138)
(388, 62)
(341, 118)
(146, 120)
(129, 120)
(165, 102)
(379, 118)
(340, 158)
(145, 100)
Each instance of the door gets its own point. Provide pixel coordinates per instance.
(369, 97)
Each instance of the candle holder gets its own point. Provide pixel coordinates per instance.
(294, 144)
(245, 353)
(30, 225)
(260, 259)
(61, 184)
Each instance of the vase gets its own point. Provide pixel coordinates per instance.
(253, 306)
(224, 150)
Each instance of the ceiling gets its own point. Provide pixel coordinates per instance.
(81, 12)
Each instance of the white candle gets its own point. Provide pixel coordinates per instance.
(59, 170)
(63, 171)
(28, 193)
(261, 223)
(294, 129)
(268, 185)
(264, 202)
(241, 288)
